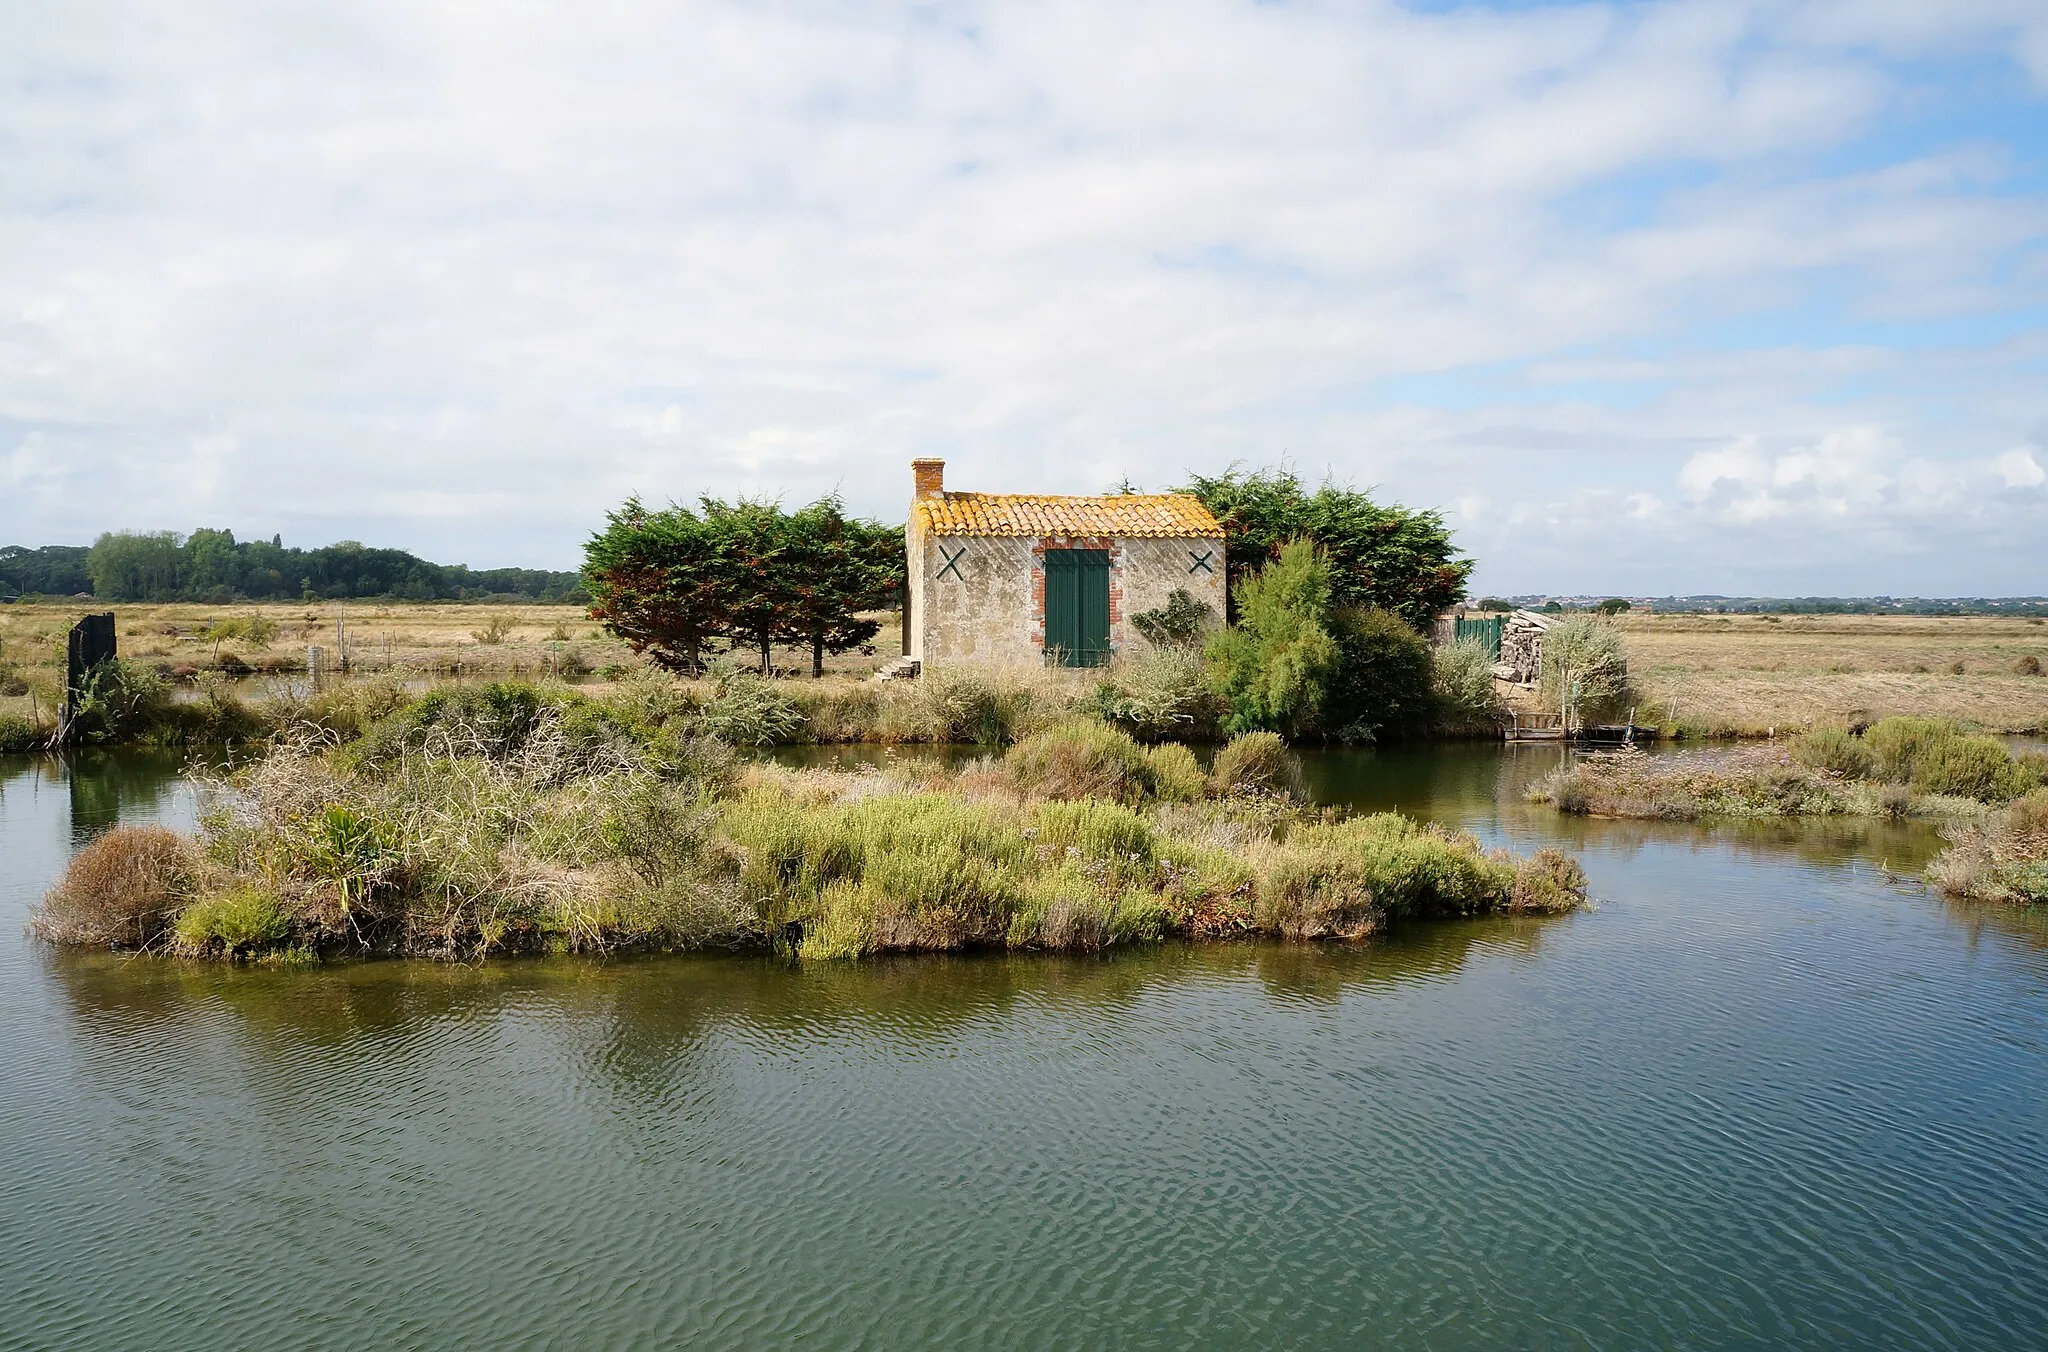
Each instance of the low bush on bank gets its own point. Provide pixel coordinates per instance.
(121, 891)
(1257, 763)
(1081, 758)
(1167, 696)
(2002, 859)
(491, 824)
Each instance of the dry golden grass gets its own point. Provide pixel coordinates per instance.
(411, 641)
(1748, 675)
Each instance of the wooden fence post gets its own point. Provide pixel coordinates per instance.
(91, 644)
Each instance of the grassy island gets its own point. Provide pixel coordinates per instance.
(1899, 767)
(505, 818)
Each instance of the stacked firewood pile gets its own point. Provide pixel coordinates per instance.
(1521, 647)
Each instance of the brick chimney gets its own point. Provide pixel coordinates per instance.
(930, 477)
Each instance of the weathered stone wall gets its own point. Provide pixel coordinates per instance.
(981, 599)
(1153, 568)
(973, 599)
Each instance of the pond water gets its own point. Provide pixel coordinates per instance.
(1766, 1094)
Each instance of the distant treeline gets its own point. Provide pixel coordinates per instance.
(1800, 605)
(213, 566)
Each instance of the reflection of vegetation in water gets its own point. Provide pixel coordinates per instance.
(109, 787)
(641, 1028)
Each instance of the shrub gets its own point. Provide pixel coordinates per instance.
(1590, 655)
(491, 720)
(1971, 767)
(1461, 677)
(345, 710)
(1342, 879)
(1161, 696)
(1548, 882)
(1382, 681)
(1318, 889)
(841, 713)
(1935, 756)
(1257, 763)
(1176, 778)
(239, 920)
(120, 890)
(1414, 870)
(1896, 744)
(747, 710)
(650, 696)
(121, 701)
(495, 630)
(1835, 750)
(258, 630)
(1276, 666)
(1759, 782)
(985, 709)
(1080, 758)
(657, 830)
(1180, 623)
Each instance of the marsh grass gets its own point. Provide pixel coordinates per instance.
(2000, 859)
(1901, 767)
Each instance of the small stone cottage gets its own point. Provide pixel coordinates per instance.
(1027, 578)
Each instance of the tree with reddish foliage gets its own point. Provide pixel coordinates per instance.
(655, 580)
(670, 582)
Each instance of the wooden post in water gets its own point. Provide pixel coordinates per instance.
(90, 644)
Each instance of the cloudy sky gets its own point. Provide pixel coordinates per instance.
(1691, 296)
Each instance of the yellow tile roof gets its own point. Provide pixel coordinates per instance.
(1166, 515)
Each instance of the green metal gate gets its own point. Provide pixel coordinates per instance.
(1077, 607)
(1485, 631)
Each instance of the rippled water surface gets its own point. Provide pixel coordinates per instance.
(1764, 1095)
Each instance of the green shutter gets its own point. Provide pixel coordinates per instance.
(1077, 606)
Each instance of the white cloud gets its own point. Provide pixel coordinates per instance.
(461, 278)
(2019, 469)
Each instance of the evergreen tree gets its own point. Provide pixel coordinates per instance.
(1385, 556)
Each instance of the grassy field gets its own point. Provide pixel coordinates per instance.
(1708, 675)
(410, 641)
(1747, 675)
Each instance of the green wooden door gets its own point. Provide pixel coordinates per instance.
(1486, 631)
(1077, 606)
